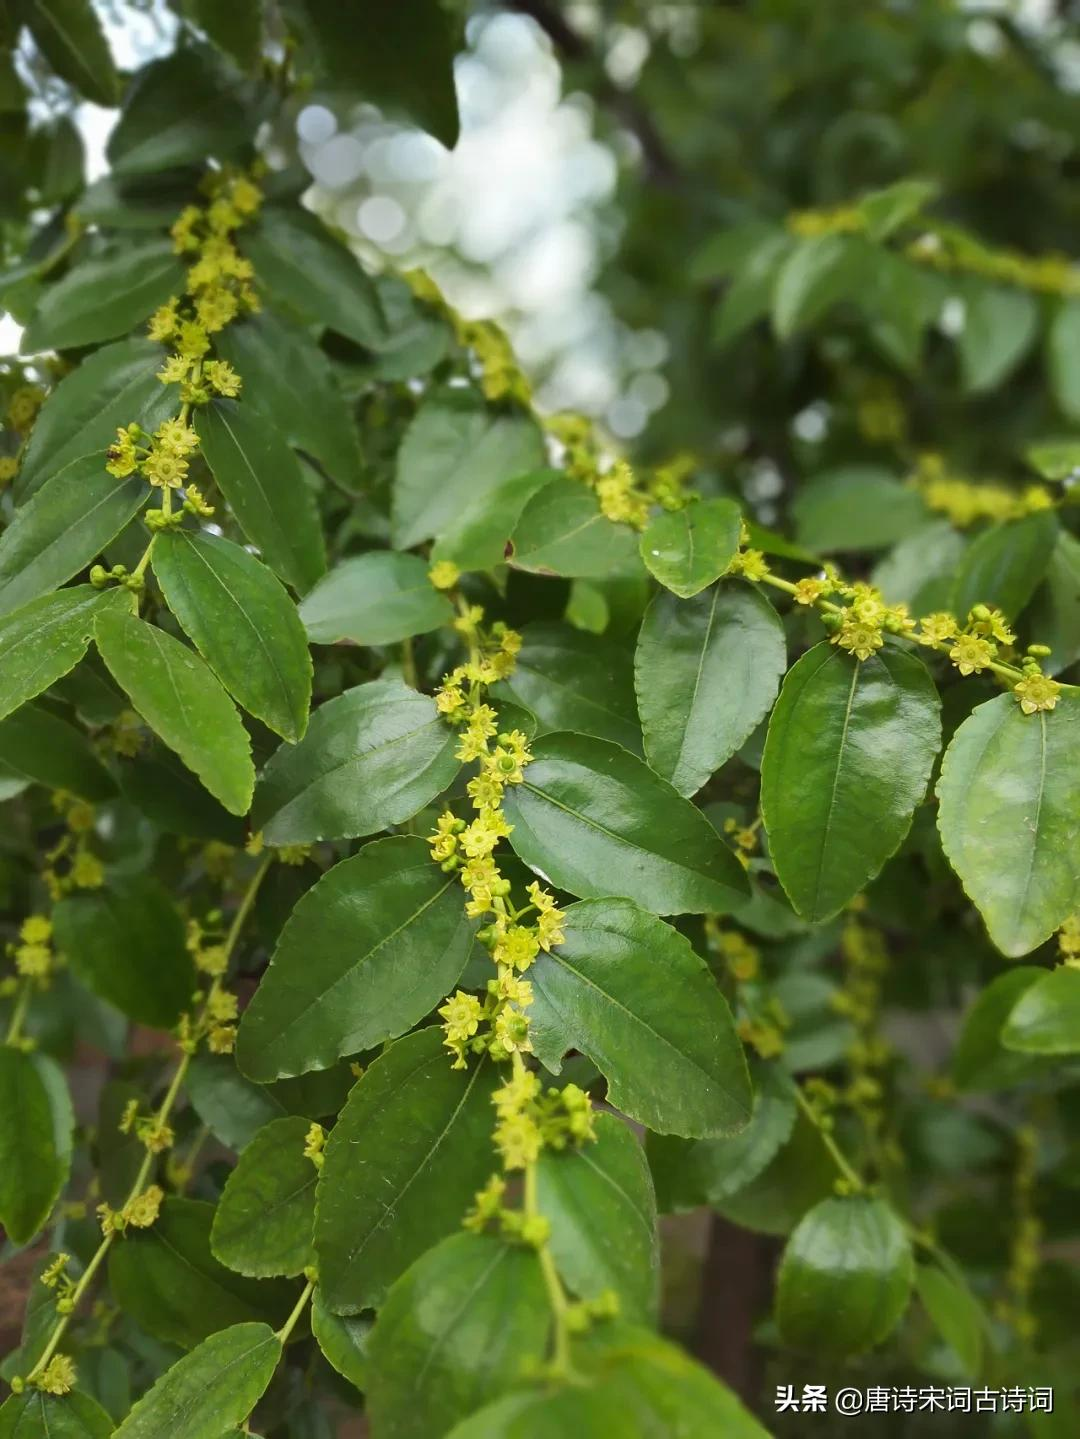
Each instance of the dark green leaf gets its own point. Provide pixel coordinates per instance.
(243, 623)
(1046, 1017)
(215, 1386)
(43, 641)
(126, 943)
(367, 953)
(120, 1152)
(371, 758)
(266, 1213)
(180, 110)
(167, 1280)
(849, 751)
(410, 1149)
(457, 452)
(303, 398)
(600, 1203)
(36, 1123)
(1063, 358)
(459, 1327)
(955, 1314)
(1009, 795)
(1054, 615)
(180, 700)
(563, 532)
(36, 1415)
(234, 1109)
(375, 599)
(594, 820)
(999, 326)
(707, 671)
(235, 28)
(301, 264)
(627, 990)
(65, 526)
(688, 549)
(156, 782)
(571, 680)
(44, 749)
(1004, 566)
(859, 507)
(343, 1339)
(69, 35)
(261, 479)
(477, 537)
(979, 1060)
(919, 570)
(801, 1174)
(846, 1276)
(103, 298)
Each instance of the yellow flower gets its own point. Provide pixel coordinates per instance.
(121, 457)
(216, 307)
(176, 438)
(809, 591)
(144, 1209)
(517, 948)
(751, 564)
(164, 321)
(184, 230)
(1037, 692)
(937, 628)
(174, 370)
(970, 654)
(221, 377)
(858, 638)
(462, 1013)
(58, 1376)
(193, 340)
(444, 575)
(36, 929)
(164, 469)
(9, 468)
(245, 195)
(518, 1140)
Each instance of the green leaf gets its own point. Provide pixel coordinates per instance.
(848, 754)
(1009, 794)
(36, 1123)
(800, 1175)
(707, 671)
(235, 28)
(691, 1173)
(888, 209)
(261, 479)
(688, 549)
(69, 35)
(594, 820)
(303, 398)
(234, 1109)
(179, 698)
(120, 1153)
(409, 1151)
(1054, 615)
(109, 388)
(167, 1280)
(375, 599)
(242, 622)
(571, 680)
(563, 532)
(1005, 565)
(43, 641)
(343, 1339)
(178, 111)
(477, 537)
(1046, 1017)
(455, 454)
(817, 273)
(1000, 325)
(301, 264)
(600, 1203)
(954, 1312)
(980, 1061)
(104, 298)
(845, 1278)
(266, 1213)
(36, 1415)
(216, 1385)
(918, 571)
(857, 507)
(126, 943)
(372, 757)
(156, 782)
(44, 749)
(749, 296)
(63, 528)
(627, 990)
(457, 1329)
(1063, 358)
(371, 949)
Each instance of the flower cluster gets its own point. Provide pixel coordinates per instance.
(71, 863)
(965, 502)
(33, 954)
(138, 1213)
(216, 1022)
(761, 1020)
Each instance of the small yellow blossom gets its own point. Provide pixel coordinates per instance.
(858, 638)
(314, 1144)
(751, 564)
(809, 591)
(59, 1375)
(164, 321)
(174, 370)
(176, 438)
(221, 376)
(1037, 692)
(971, 653)
(165, 469)
(938, 627)
(444, 574)
(9, 468)
(142, 1211)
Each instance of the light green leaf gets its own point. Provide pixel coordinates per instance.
(918, 571)
(409, 1151)
(1005, 565)
(887, 209)
(457, 1329)
(126, 943)
(111, 387)
(857, 507)
(707, 671)
(45, 640)
(749, 295)
(371, 949)
(847, 757)
(563, 532)
(216, 1385)
(1063, 358)
(592, 819)
(243, 623)
(105, 297)
(301, 264)
(371, 758)
(1046, 1017)
(179, 698)
(178, 111)
(343, 1339)
(688, 549)
(980, 1061)
(38, 746)
(954, 1312)
(375, 599)
(627, 990)
(266, 1213)
(1000, 325)
(167, 1280)
(1054, 615)
(571, 680)
(599, 1201)
(63, 528)
(817, 273)
(1009, 797)
(261, 479)
(36, 1415)
(476, 539)
(302, 399)
(846, 1276)
(456, 452)
(69, 35)
(36, 1124)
